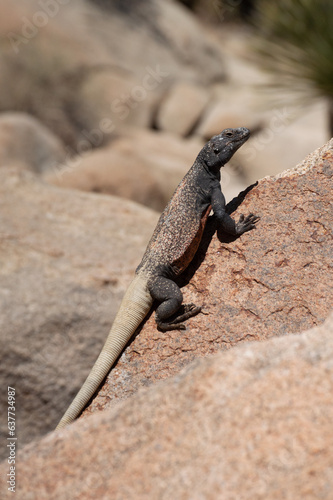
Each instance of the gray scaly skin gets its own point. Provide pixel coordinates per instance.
(169, 252)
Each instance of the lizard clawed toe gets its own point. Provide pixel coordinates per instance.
(175, 323)
(166, 327)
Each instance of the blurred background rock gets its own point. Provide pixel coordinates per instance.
(103, 74)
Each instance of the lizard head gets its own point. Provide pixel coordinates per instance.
(218, 151)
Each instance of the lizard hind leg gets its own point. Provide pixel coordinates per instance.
(170, 313)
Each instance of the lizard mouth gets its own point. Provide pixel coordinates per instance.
(223, 146)
(234, 140)
(243, 138)
(239, 141)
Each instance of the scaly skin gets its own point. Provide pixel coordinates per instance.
(169, 252)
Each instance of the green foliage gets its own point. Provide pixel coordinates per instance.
(220, 11)
(296, 44)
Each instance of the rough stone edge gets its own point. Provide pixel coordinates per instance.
(246, 354)
(305, 165)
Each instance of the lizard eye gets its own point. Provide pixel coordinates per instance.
(229, 134)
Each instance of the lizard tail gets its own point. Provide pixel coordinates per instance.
(133, 309)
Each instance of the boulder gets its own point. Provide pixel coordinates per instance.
(269, 282)
(162, 151)
(107, 171)
(161, 36)
(76, 65)
(274, 280)
(231, 105)
(288, 134)
(109, 101)
(141, 165)
(26, 142)
(66, 259)
(284, 129)
(181, 108)
(253, 422)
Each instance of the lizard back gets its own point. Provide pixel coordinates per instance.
(179, 230)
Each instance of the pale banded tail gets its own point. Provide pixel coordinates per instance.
(134, 307)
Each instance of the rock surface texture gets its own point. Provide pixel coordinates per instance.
(251, 423)
(181, 109)
(141, 165)
(25, 142)
(66, 259)
(147, 83)
(271, 281)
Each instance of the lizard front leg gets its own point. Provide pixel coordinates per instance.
(227, 223)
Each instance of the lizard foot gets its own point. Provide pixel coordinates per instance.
(187, 311)
(246, 223)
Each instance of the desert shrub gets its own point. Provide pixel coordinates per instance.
(295, 45)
